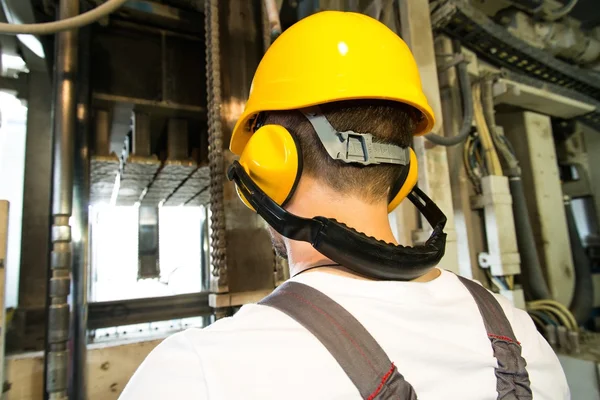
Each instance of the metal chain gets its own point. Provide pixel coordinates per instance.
(215, 142)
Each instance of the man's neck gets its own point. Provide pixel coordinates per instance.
(316, 200)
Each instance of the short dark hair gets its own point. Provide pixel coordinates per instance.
(388, 122)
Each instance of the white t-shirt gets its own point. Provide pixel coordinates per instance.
(432, 331)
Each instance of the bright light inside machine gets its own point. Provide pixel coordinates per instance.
(343, 48)
(33, 44)
(15, 63)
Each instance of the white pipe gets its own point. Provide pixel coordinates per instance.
(48, 28)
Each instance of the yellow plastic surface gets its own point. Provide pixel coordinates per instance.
(271, 159)
(332, 56)
(409, 184)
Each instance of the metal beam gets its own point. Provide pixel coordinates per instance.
(57, 354)
(127, 312)
(36, 193)
(434, 176)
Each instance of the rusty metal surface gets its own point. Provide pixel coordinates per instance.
(168, 178)
(190, 191)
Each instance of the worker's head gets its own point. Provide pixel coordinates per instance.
(334, 188)
(363, 79)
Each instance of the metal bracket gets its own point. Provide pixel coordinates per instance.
(353, 147)
(454, 60)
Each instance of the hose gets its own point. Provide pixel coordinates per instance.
(560, 12)
(582, 304)
(560, 311)
(465, 90)
(533, 278)
(48, 28)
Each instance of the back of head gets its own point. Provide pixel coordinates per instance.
(388, 122)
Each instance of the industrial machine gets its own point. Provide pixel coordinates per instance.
(130, 229)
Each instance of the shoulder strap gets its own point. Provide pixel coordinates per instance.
(512, 379)
(355, 350)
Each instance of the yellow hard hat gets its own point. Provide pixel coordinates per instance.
(332, 56)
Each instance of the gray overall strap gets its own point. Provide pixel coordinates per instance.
(512, 379)
(355, 350)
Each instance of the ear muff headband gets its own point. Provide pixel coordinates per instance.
(354, 250)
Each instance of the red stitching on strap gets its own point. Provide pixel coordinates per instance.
(503, 338)
(334, 322)
(385, 378)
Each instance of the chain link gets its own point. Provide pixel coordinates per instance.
(215, 143)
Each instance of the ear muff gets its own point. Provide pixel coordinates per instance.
(273, 160)
(405, 183)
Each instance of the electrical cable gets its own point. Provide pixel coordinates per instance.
(497, 281)
(561, 11)
(48, 28)
(468, 167)
(558, 307)
(464, 82)
(547, 316)
(561, 317)
(510, 281)
(536, 320)
(502, 144)
(544, 317)
(489, 151)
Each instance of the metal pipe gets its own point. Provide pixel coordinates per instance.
(56, 363)
(273, 17)
(465, 90)
(80, 222)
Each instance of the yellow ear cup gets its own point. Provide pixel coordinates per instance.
(406, 184)
(273, 161)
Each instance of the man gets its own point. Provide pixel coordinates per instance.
(382, 322)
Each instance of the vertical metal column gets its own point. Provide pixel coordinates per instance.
(62, 200)
(79, 221)
(3, 244)
(434, 178)
(36, 194)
